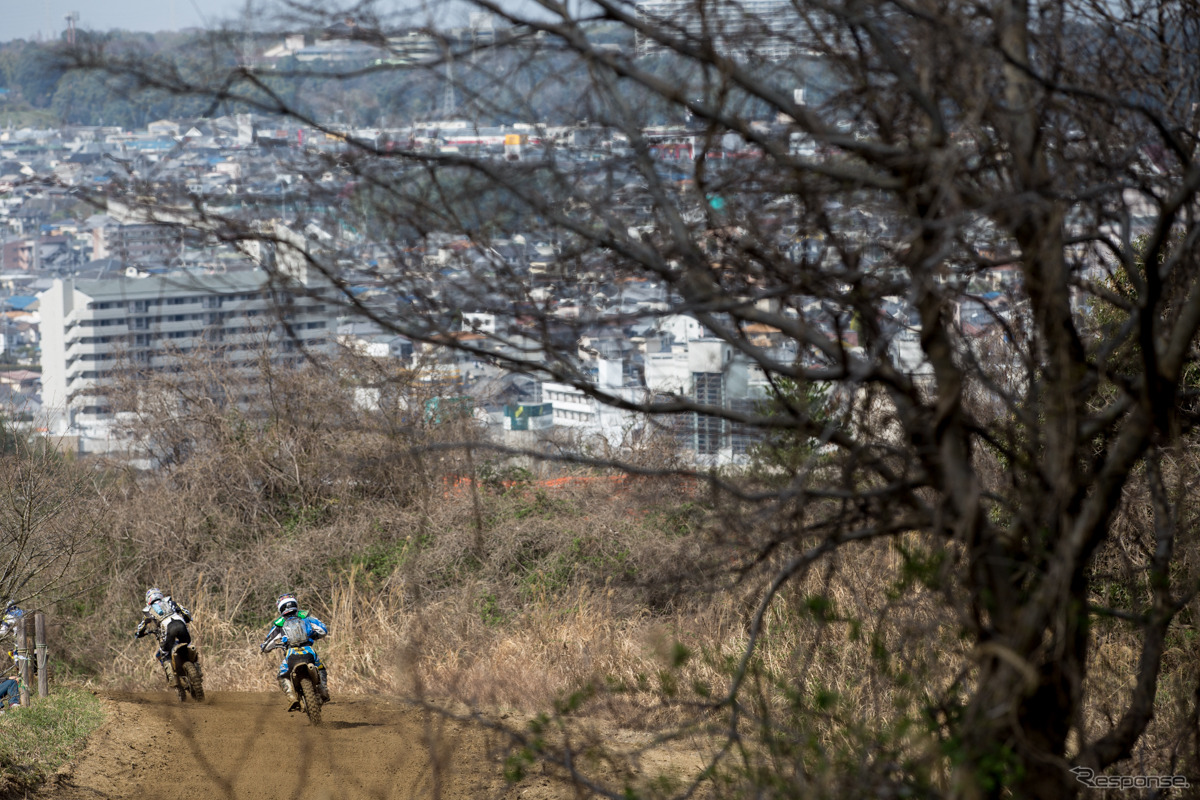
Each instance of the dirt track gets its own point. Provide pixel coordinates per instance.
(247, 747)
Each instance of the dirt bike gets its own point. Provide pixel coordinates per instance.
(305, 677)
(188, 680)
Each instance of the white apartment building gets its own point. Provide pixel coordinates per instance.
(758, 29)
(587, 416)
(92, 328)
(709, 371)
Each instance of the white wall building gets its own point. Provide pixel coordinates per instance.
(585, 415)
(480, 321)
(711, 372)
(92, 328)
(681, 327)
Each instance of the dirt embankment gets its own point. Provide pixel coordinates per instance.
(245, 746)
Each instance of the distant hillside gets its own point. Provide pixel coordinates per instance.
(495, 85)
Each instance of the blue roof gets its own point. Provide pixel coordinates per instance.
(20, 301)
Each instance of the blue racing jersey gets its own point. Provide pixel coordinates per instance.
(296, 630)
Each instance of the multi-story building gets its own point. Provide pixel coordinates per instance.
(571, 409)
(19, 255)
(92, 330)
(750, 29)
(712, 373)
(138, 243)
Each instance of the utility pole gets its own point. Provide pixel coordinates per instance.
(449, 104)
(72, 18)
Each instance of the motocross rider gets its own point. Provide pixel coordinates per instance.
(9, 617)
(296, 630)
(8, 627)
(10, 687)
(162, 615)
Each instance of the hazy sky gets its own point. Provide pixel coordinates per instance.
(25, 19)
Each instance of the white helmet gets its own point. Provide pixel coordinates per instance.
(287, 604)
(152, 595)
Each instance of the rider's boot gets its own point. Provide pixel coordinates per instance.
(324, 689)
(168, 672)
(290, 691)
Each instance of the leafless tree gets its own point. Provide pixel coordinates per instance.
(922, 207)
(49, 525)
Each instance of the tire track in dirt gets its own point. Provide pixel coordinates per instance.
(245, 746)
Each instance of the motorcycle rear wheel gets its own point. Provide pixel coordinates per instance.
(312, 701)
(195, 682)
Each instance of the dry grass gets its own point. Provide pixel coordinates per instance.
(595, 587)
(514, 596)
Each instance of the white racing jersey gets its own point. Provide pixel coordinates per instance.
(9, 623)
(161, 613)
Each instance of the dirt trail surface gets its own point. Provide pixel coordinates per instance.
(246, 746)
